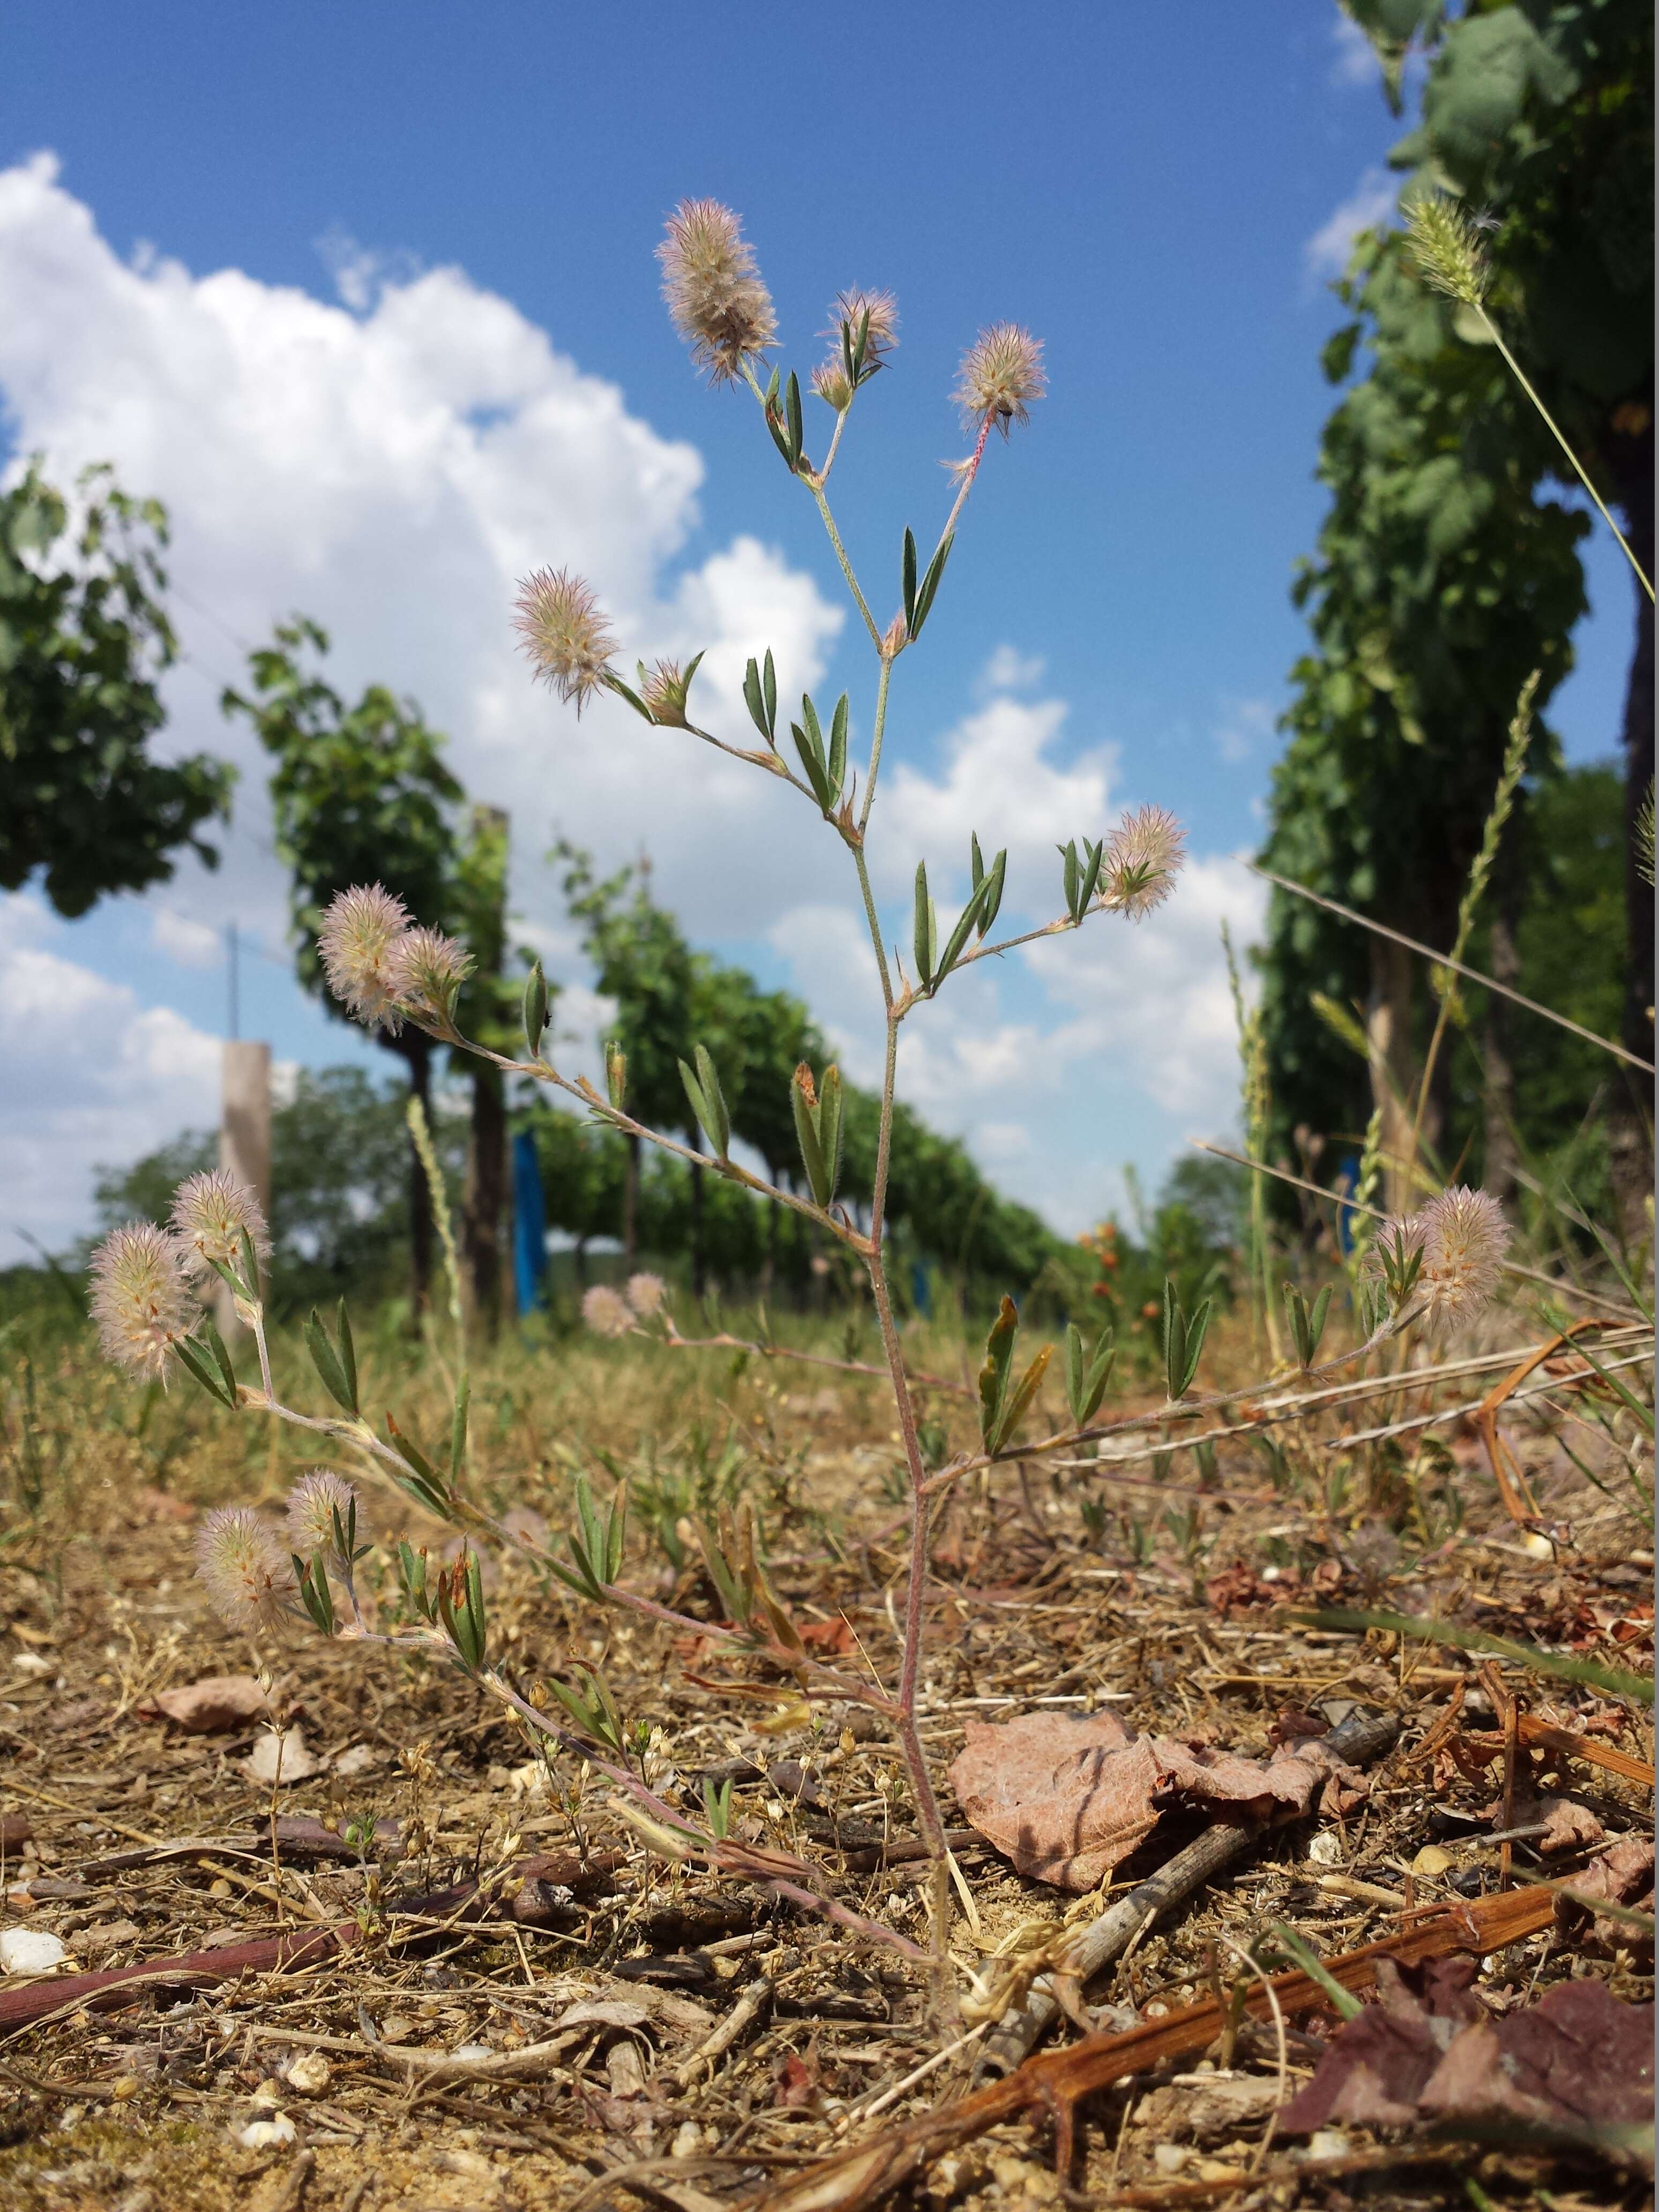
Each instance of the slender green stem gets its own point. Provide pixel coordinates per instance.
(874, 922)
(845, 565)
(876, 736)
(1522, 379)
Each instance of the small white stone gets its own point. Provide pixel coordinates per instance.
(31, 1663)
(261, 2135)
(1326, 1849)
(309, 2074)
(30, 1951)
(472, 2052)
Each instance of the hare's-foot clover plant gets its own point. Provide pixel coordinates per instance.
(388, 969)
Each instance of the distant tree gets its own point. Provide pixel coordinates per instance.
(83, 640)
(643, 962)
(340, 1187)
(361, 795)
(490, 1010)
(1539, 116)
(1439, 584)
(583, 1167)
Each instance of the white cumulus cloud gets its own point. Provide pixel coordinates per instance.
(92, 1076)
(1371, 202)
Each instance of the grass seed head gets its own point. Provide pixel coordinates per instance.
(210, 1212)
(360, 931)
(1447, 247)
(248, 1575)
(851, 305)
(562, 629)
(646, 1294)
(1001, 374)
(714, 293)
(141, 1298)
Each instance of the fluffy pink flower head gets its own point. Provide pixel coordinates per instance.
(359, 933)
(714, 293)
(1465, 1238)
(1144, 855)
(1001, 374)
(210, 1214)
(606, 1312)
(560, 627)
(311, 1505)
(141, 1298)
(646, 1294)
(424, 972)
(248, 1575)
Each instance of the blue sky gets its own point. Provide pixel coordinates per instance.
(1147, 190)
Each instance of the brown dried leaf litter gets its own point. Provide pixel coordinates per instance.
(441, 2087)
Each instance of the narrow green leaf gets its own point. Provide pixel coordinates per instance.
(535, 1007)
(614, 683)
(196, 1363)
(616, 1528)
(958, 938)
(1343, 2001)
(1090, 874)
(457, 1428)
(976, 859)
(837, 772)
(327, 1361)
(348, 1355)
(770, 689)
(1070, 876)
(1019, 1399)
(793, 418)
(709, 1077)
(908, 577)
(994, 897)
(921, 933)
(993, 1374)
(1175, 1340)
(221, 1359)
(1075, 1371)
(754, 699)
(829, 1126)
(806, 1135)
(1196, 1327)
(1561, 1664)
(929, 585)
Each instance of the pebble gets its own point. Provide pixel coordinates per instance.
(261, 2135)
(30, 1951)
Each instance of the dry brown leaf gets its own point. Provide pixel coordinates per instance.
(1067, 1798)
(210, 1707)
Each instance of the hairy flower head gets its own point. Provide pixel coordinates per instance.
(1001, 374)
(354, 943)
(1447, 247)
(248, 1575)
(714, 293)
(142, 1297)
(1144, 855)
(829, 381)
(312, 1503)
(425, 971)
(848, 309)
(646, 1294)
(663, 690)
(560, 627)
(211, 1214)
(1465, 1238)
(606, 1312)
